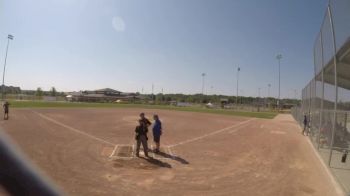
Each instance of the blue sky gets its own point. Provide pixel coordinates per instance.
(128, 45)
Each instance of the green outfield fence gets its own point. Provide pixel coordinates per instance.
(326, 98)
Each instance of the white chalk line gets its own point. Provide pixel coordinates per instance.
(236, 129)
(210, 134)
(336, 185)
(171, 153)
(153, 155)
(113, 152)
(73, 129)
(114, 157)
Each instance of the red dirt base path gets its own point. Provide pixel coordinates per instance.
(208, 154)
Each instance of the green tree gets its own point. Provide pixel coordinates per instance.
(53, 91)
(39, 92)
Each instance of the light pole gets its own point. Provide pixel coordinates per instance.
(152, 88)
(279, 57)
(238, 69)
(259, 102)
(153, 97)
(9, 37)
(268, 94)
(241, 93)
(203, 75)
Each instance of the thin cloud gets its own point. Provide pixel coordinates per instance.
(118, 24)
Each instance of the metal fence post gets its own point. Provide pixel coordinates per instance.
(322, 98)
(335, 82)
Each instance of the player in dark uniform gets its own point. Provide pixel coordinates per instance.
(145, 120)
(141, 137)
(6, 110)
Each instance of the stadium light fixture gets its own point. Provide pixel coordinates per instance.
(9, 37)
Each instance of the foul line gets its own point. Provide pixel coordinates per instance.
(337, 187)
(73, 129)
(210, 134)
(113, 152)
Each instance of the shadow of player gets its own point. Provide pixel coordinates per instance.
(176, 158)
(156, 162)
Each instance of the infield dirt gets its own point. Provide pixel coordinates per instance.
(209, 154)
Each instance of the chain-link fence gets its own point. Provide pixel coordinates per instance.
(326, 98)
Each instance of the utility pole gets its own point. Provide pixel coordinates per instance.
(238, 69)
(259, 99)
(203, 76)
(153, 97)
(152, 88)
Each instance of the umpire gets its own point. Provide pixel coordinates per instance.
(141, 137)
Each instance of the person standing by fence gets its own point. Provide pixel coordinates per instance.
(305, 122)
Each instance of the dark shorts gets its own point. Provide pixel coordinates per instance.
(156, 138)
(6, 111)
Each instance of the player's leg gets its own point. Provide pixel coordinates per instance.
(138, 144)
(157, 141)
(144, 145)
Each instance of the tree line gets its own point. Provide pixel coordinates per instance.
(200, 99)
(39, 92)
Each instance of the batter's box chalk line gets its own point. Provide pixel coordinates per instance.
(128, 152)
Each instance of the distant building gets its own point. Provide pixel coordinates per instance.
(102, 95)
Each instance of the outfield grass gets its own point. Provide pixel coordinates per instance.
(42, 104)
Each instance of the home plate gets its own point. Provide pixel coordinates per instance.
(122, 152)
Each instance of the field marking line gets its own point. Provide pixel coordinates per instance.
(338, 189)
(336, 185)
(236, 129)
(154, 156)
(210, 134)
(115, 148)
(73, 129)
(171, 153)
(133, 153)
